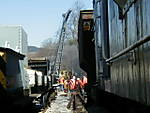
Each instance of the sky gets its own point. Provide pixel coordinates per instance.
(40, 18)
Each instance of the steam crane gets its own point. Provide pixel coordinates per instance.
(58, 58)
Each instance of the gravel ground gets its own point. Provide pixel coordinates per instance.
(60, 104)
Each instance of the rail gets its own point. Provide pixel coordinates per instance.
(73, 100)
(133, 46)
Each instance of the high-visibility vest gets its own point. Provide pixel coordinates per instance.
(61, 80)
(65, 84)
(84, 81)
(79, 83)
(72, 84)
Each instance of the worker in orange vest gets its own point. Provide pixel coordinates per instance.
(72, 84)
(79, 83)
(66, 82)
(61, 83)
(84, 80)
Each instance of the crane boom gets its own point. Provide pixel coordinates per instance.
(59, 50)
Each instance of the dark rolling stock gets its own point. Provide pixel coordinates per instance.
(10, 72)
(120, 37)
(41, 82)
(14, 97)
(41, 77)
(85, 40)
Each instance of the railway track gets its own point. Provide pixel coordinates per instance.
(72, 103)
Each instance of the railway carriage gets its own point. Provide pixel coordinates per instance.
(121, 34)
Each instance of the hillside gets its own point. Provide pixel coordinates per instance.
(33, 49)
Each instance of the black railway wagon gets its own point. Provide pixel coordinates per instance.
(122, 32)
(42, 89)
(121, 41)
(10, 71)
(40, 64)
(13, 97)
(86, 44)
(87, 50)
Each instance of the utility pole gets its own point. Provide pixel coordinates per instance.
(59, 50)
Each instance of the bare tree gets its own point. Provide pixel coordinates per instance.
(70, 55)
(70, 60)
(72, 26)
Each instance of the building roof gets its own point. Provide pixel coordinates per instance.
(10, 51)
